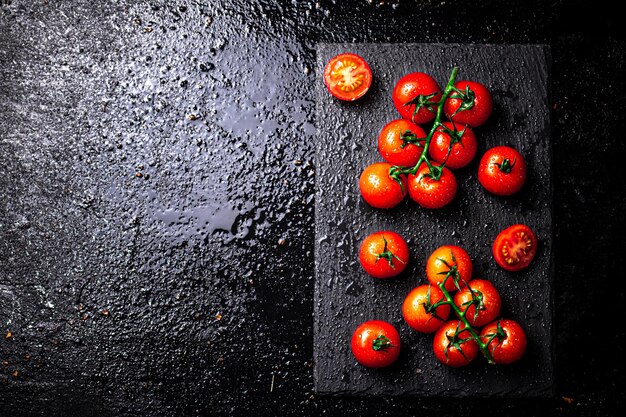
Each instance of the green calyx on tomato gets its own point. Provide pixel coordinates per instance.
(476, 300)
(430, 307)
(388, 255)
(506, 166)
(435, 172)
(455, 134)
(451, 272)
(382, 342)
(423, 102)
(499, 334)
(409, 137)
(396, 173)
(467, 98)
(456, 341)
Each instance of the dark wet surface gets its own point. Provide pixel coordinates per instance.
(157, 192)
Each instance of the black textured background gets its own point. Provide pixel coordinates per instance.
(345, 296)
(220, 225)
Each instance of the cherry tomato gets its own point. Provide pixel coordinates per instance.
(480, 300)
(347, 77)
(430, 193)
(375, 344)
(502, 171)
(384, 254)
(399, 144)
(515, 247)
(442, 260)
(414, 95)
(506, 341)
(472, 106)
(418, 310)
(463, 148)
(453, 345)
(379, 189)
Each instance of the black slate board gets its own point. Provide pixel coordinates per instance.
(345, 296)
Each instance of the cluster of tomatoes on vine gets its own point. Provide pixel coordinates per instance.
(419, 164)
(427, 308)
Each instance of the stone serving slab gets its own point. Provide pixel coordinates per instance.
(518, 77)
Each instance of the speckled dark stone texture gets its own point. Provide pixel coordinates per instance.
(345, 295)
(112, 284)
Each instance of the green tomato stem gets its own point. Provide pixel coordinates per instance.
(484, 347)
(396, 170)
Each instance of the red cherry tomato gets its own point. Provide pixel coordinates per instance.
(502, 171)
(442, 260)
(480, 301)
(506, 341)
(347, 77)
(375, 344)
(430, 193)
(472, 106)
(515, 247)
(453, 345)
(414, 95)
(419, 311)
(463, 148)
(399, 144)
(379, 189)
(384, 254)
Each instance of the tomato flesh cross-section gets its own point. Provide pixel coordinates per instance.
(515, 247)
(347, 77)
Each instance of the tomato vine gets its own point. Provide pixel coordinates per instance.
(435, 170)
(462, 315)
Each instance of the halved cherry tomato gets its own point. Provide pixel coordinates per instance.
(347, 77)
(430, 193)
(472, 106)
(502, 171)
(414, 96)
(379, 189)
(515, 247)
(384, 254)
(453, 345)
(419, 311)
(480, 301)
(399, 142)
(442, 260)
(375, 344)
(506, 341)
(463, 147)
